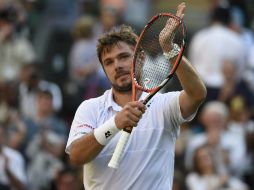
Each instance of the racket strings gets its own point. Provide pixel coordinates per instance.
(151, 66)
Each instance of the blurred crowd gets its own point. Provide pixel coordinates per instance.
(48, 66)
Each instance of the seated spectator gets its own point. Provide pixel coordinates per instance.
(31, 83)
(240, 116)
(12, 166)
(233, 86)
(10, 117)
(87, 79)
(228, 152)
(44, 152)
(241, 128)
(83, 62)
(45, 120)
(205, 175)
(15, 51)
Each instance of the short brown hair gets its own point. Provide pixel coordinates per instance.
(108, 40)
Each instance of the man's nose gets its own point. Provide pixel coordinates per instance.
(118, 64)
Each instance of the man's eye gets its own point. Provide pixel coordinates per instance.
(108, 62)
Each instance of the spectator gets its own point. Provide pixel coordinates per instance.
(109, 16)
(16, 131)
(205, 175)
(209, 49)
(241, 128)
(31, 83)
(87, 79)
(233, 86)
(44, 152)
(45, 118)
(138, 12)
(12, 120)
(228, 152)
(12, 166)
(15, 51)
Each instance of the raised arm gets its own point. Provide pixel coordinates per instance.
(194, 90)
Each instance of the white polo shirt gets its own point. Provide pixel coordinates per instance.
(148, 160)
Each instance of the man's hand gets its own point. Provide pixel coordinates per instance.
(130, 115)
(166, 35)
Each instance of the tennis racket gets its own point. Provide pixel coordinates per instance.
(157, 54)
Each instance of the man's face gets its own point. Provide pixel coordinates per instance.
(117, 62)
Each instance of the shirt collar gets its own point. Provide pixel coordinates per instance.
(110, 103)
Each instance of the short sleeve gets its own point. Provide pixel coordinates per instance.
(169, 103)
(84, 122)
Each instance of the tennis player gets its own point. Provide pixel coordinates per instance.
(148, 160)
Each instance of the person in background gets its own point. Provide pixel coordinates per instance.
(233, 86)
(15, 50)
(31, 82)
(241, 128)
(45, 142)
(209, 48)
(87, 79)
(10, 116)
(205, 175)
(228, 153)
(45, 152)
(12, 166)
(45, 118)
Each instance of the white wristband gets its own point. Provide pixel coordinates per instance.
(174, 52)
(105, 132)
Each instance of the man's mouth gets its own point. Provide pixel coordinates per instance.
(120, 74)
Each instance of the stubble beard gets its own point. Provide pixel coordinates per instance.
(122, 89)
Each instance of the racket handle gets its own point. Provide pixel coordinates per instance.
(118, 152)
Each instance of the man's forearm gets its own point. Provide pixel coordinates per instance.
(194, 90)
(84, 149)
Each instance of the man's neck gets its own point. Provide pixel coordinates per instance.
(122, 98)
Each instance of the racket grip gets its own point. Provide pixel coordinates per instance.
(118, 152)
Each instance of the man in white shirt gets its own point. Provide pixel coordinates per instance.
(148, 160)
(211, 47)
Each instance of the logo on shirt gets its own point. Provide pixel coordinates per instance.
(108, 134)
(85, 126)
